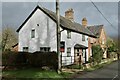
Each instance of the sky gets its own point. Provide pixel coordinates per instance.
(14, 13)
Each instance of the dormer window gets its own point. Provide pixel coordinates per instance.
(33, 33)
(68, 34)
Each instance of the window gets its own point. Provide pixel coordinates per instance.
(83, 53)
(37, 24)
(78, 52)
(25, 49)
(83, 37)
(33, 33)
(62, 46)
(68, 34)
(45, 49)
(68, 51)
(103, 42)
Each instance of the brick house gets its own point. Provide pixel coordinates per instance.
(101, 39)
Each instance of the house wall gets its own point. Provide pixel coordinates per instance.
(45, 36)
(101, 41)
(45, 33)
(76, 38)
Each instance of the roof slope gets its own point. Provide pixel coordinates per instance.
(64, 23)
(96, 29)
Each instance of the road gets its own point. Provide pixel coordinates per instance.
(109, 71)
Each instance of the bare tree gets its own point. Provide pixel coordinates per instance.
(9, 38)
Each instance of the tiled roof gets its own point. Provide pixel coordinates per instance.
(64, 23)
(96, 29)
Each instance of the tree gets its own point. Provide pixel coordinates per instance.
(9, 38)
(111, 47)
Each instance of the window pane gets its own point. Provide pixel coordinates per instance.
(45, 49)
(25, 49)
(83, 37)
(68, 34)
(69, 51)
(33, 33)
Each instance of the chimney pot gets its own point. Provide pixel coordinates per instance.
(84, 22)
(69, 14)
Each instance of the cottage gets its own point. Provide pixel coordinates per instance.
(101, 39)
(38, 33)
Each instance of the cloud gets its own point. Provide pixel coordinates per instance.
(14, 13)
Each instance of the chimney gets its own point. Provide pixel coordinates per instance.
(69, 14)
(84, 22)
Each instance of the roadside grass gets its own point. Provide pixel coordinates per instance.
(33, 73)
(98, 66)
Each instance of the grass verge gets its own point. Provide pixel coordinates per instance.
(33, 73)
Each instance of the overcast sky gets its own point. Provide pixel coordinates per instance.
(14, 13)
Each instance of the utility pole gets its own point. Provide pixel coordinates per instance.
(58, 35)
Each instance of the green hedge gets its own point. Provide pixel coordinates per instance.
(36, 59)
(97, 54)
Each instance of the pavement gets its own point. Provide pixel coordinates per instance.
(107, 72)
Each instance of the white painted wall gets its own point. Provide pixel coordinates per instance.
(76, 38)
(45, 35)
(42, 39)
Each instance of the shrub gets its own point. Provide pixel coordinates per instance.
(37, 59)
(97, 53)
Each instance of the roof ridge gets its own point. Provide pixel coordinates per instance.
(65, 23)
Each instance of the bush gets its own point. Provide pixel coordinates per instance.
(11, 58)
(97, 53)
(37, 59)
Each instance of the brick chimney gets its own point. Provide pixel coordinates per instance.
(84, 22)
(69, 14)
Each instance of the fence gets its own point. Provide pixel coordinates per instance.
(67, 60)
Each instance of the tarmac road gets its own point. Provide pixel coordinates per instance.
(108, 72)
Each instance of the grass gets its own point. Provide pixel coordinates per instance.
(33, 73)
(98, 66)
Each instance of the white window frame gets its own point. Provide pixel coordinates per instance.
(33, 33)
(25, 49)
(68, 51)
(45, 49)
(83, 37)
(68, 34)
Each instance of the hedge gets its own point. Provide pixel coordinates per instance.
(36, 59)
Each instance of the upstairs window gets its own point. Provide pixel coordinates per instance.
(83, 37)
(45, 49)
(69, 51)
(78, 51)
(68, 34)
(25, 49)
(33, 33)
(103, 41)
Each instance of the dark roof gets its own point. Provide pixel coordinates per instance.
(79, 46)
(64, 23)
(96, 29)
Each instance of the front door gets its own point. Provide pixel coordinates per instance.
(78, 55)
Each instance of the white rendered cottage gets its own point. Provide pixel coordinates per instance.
(38, 33)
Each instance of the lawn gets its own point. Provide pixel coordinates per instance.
(33, 73)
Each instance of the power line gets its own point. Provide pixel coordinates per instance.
(103, 15)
